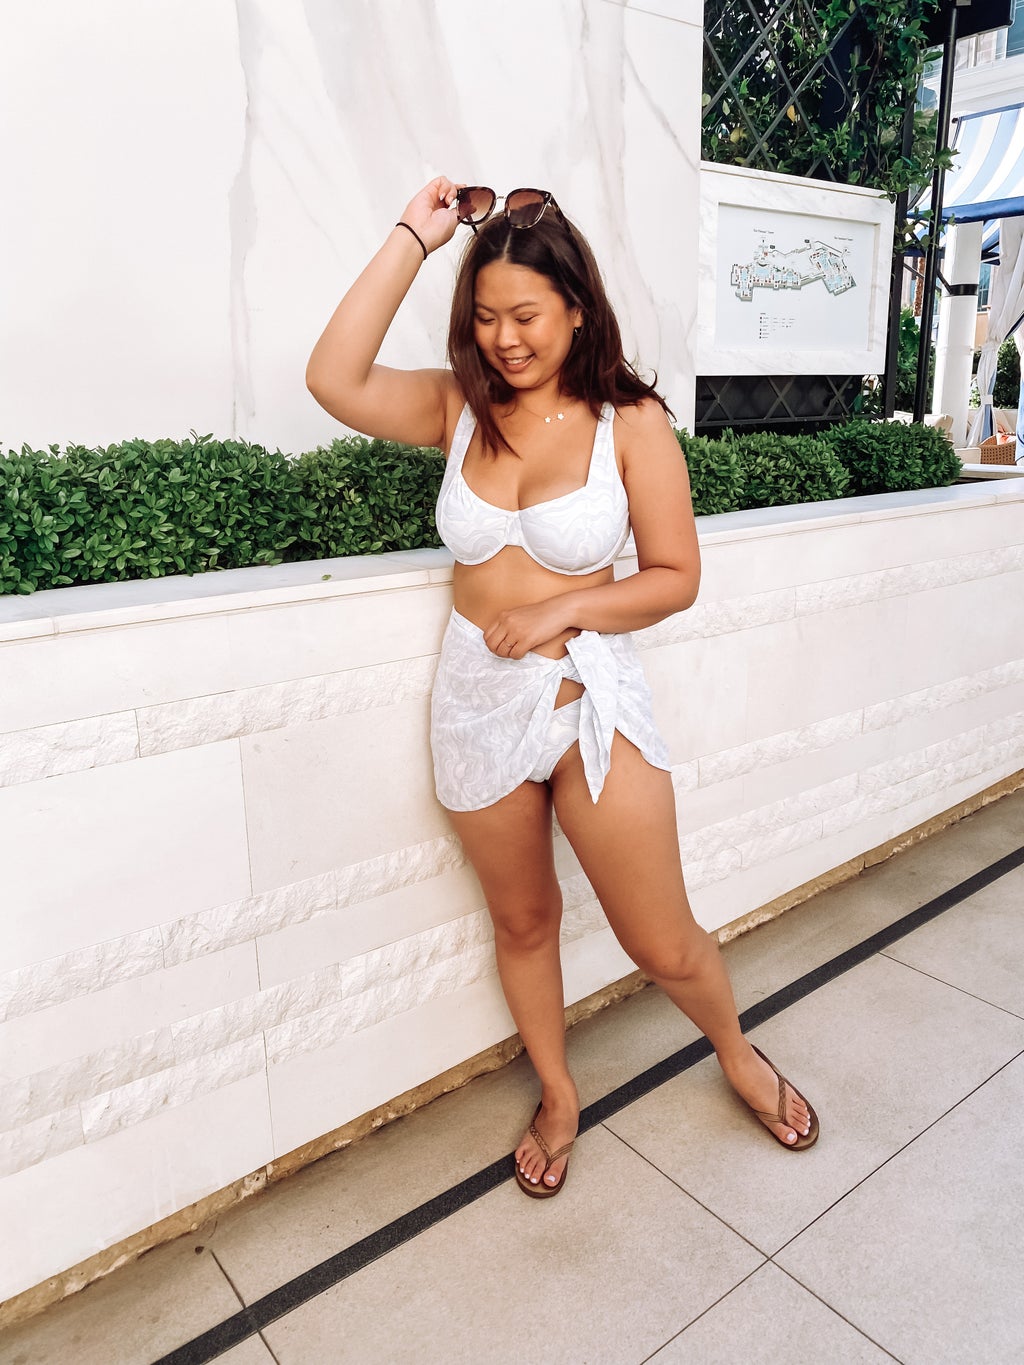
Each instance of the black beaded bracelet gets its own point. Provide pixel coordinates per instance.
(419, 239)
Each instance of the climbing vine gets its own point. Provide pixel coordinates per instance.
(818, 90)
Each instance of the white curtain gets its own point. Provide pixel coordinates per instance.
(1006, 307)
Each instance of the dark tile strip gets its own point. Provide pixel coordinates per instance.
(252, 1319)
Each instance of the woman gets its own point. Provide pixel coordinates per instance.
(555, 449)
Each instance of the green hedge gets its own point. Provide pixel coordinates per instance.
(143, 509)
(888, 457)
(762, 469)
(367, 497)
(148, 508)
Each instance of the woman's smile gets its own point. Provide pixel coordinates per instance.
(522, 325)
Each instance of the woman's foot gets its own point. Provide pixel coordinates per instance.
(557, 1122)
(757, 1084)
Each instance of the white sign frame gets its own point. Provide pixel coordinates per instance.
(803, 325)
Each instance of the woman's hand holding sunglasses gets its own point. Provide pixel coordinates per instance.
(430, 215)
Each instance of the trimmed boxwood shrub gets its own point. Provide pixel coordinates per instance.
(141, 510)
(889, 457)
(781, 470)
(760, 469)
(716, 476)
(1006, 387)
(147, 508)
(367, 497)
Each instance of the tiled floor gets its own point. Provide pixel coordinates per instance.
(684, 1234)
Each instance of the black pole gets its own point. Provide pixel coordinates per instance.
(892, 346)
(935, 227)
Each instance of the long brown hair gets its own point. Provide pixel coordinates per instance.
(595, 370)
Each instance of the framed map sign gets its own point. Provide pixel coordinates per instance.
(794, 275)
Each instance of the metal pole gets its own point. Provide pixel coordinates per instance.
(892, 348)
(935, 230)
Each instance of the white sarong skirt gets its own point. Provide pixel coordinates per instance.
(490, 717)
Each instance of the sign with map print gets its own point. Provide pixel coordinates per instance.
(792, 280)
(795, 278)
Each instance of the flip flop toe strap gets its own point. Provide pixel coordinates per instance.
(779, 1117)
(549, 1156)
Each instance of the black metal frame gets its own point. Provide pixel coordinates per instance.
(793, 403)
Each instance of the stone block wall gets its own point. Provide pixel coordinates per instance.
(235, 917)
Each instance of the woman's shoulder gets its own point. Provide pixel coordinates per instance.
(641, 422)
(455, 406)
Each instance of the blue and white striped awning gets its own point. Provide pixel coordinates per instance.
(989, 241)
(987, 179)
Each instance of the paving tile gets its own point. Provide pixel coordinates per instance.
(252, 1351)
(977, 946)
(811, 934)
(881, 1052)
(934, 865)
(1003, 819)
(926, 1257)
(131, 1317)
(606, 1272)
(768, 1319)
(347, 1195)
(615, 1046)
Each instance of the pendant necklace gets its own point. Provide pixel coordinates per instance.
(554, 417)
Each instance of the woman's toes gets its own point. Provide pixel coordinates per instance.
(530, 1167)
(798, 1114)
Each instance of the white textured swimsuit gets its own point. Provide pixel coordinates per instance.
(494, 723)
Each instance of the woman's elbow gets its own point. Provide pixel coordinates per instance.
(314, 381)
(326, 392)
(684, 589)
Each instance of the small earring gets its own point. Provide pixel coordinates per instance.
(576, 331)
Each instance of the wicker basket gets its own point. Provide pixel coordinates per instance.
(994, 451)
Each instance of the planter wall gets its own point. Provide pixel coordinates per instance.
(235, 917)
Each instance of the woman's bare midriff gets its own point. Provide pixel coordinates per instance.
(513, 579)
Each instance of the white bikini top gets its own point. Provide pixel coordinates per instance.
(577, 533)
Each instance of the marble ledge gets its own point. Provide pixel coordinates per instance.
(757, 522)
(60, 611)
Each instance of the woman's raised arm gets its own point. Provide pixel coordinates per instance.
(343, 374)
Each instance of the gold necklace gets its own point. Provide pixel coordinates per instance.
(555, 416)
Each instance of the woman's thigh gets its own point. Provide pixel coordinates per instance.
(628, 846)
(510, 848)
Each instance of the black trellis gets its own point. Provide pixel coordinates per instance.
(812, 89)
(774, 81)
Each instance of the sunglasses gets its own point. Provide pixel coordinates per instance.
(523, 208)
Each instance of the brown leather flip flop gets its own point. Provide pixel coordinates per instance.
(540, 1190)
(802, 1142)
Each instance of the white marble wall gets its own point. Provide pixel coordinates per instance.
(198, 182)
(224, 914)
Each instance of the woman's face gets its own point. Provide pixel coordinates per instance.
(522, 324)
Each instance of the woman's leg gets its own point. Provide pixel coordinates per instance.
(510, 847)
(628, 846)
